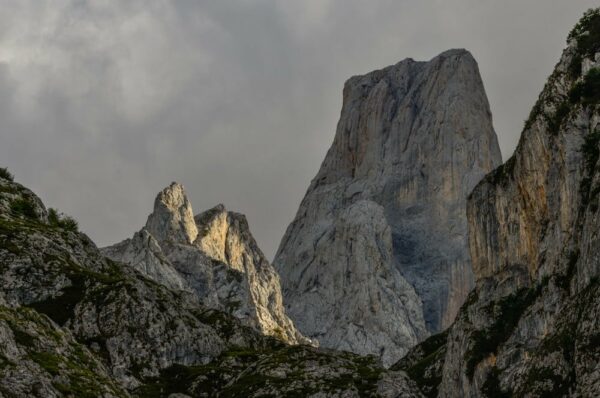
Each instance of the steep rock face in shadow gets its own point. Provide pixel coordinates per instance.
(213, 256)
(412, 141)
(532, 324)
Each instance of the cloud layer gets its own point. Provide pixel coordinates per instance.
(103, 103)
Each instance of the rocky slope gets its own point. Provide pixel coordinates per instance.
(214, 257)
(377, 255)
(531, 327)
(76, 324)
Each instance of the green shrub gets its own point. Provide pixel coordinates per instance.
(53, 217)
(590, 91)
(590, 148)
(60, 220)
(4, 173)
(574, 70)
(23, 208)
(587, 91)
(70, 224)
(575, 93)
(587, 32)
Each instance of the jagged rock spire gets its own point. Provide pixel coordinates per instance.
(172, 218)
(213, 256)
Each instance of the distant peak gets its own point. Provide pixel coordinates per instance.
(172, 218)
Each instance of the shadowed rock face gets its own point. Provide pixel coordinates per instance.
(413, 139)
(213, 256)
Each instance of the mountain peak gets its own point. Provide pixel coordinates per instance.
(412, 141)
(173, 217)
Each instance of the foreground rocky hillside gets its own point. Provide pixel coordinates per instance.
(531, 327)
(213, 256)
(377, 256)
(76, 324)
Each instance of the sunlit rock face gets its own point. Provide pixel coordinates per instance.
(530, 328)
(173, 218)
(377, 255)
(213, 256)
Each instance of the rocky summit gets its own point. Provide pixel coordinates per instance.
(377, 256)
(211, 255)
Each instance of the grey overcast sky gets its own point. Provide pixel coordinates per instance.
(103, 103)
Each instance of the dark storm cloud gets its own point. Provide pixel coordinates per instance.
(103, 103)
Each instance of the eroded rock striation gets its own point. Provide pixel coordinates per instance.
(213, 256)
(531, 327)
(377, 255)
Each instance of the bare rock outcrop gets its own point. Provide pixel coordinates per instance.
(412, 141)
(213, 256)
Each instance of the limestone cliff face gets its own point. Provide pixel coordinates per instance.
(212, 256)
(412, 141)
(531, 326)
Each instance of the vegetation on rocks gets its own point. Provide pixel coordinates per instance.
(506, 314)
(424, 363)
(22, 207)
(587, 35)
(63, 221)
(4, 173)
